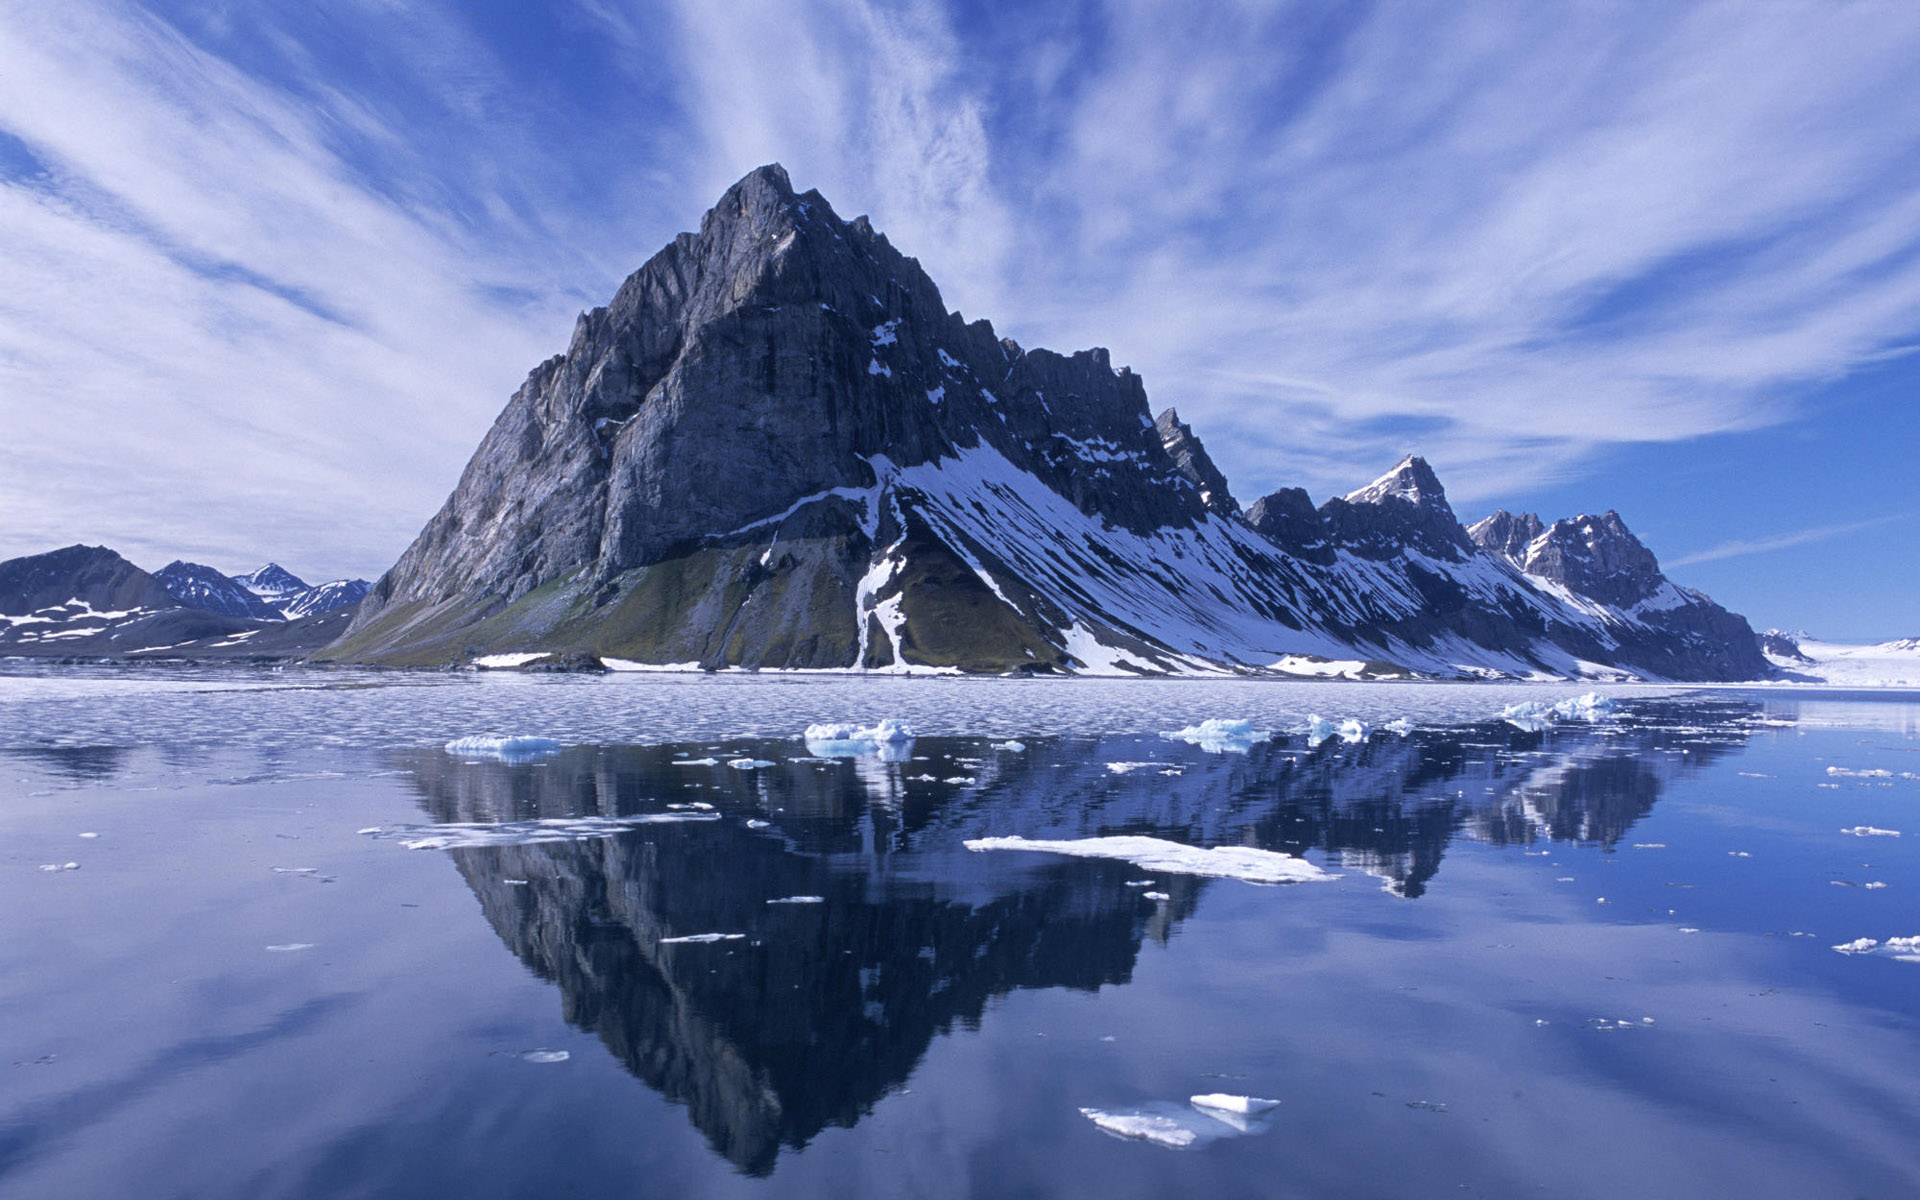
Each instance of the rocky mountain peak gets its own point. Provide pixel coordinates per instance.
(1288, 519)
(1191, 460)
(1411, 480)
(197, 585)
(1507, 534)
(92, 576)
(1597, 557)
(271, 582)
(1405, 508)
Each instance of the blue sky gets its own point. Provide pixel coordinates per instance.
(272, 268)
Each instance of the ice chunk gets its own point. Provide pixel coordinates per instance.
(1245, 1105)
(1905, 945)
(1141, 1125)
(888, 738)
(701, 938)
(1319, 729)
(505, 747)
(1158, 854)
(756, 823)
(696, 762)
(1849, 774)
(1218, 735)
(60, 866)
(1155, 896)
(1870, 831)
(1534, 715)
(1858, 945)
(545, 1056)
(290, 947)
(89, 835)
(1010, 747)
(799, 900)
(749, 764)
(1123, 768)
(1402, 727)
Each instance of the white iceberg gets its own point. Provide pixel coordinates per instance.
(890, 739)
(749, 764)
(701, 939)
(1858, 946)
(1157, 854)
(1218, 735)
(1319, 729)
(1871, 831)
(799, 900)
(505, 747)
(1245, 1105)
(1010, 747)
(1534, 715)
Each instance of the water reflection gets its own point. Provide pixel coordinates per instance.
(823, 1008)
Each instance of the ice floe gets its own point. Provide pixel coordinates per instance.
(696, 762)
(456, 836)
(1155, 896)
(749, 764)
(1320, 729)
(1010, 747)
(701, 939)
(290, 947)
(1181, 1127)
(1847, 773)
(1244, 1105)
(1218, 735)
(1535, 715)
(890, 739)
(799, 900)
(1858, 946)
(498, 746)
(1124, 768)
(72, 866)
(1157, 854)
(545, 1056)
(1871, 831)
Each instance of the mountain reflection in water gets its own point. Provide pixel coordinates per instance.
(824, 1008)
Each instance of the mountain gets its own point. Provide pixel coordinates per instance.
(89, 602)
(776, 447)
(198, 586)
(1802, 658)
(273, 583)
(326, 597)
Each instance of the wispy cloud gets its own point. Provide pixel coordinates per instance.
(1786, 541)
(321, 251)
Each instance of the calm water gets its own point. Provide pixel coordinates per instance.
(1589, 961)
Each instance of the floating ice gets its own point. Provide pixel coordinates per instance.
(1402, 727)
(1144, 1126)
(1870, 831)
(1122, 768)
(1220, 736)
(456, 836)
(892, 740)
(1858, 946)
(496, 746)
(749, 764)
(1245, 1105)
(1649, 845)
(545, 1056)
(799, 900)
(1155, 896)
(1905, 945)
(1010, 747)
(757, 823)
(290, 947)
(1534, 715)
(1845, 773)
(1320, 729)
(1157, 854)
(59, 866)
(701, 938)
(696, 762)
(89, 835)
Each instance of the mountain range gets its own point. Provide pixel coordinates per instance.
(88, 601)
(777, 448)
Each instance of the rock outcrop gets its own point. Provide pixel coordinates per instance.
(776, 447)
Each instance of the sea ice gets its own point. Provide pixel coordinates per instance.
(1122, 768)
(1155, 896)
(701, 938)
(1849, 774)
(1218, 735)
(1010, 747)
(289, 947)
(497, 746)
(1858, 946)
(696, 762)
(1534, 715)
(1402, 727)
(1870, 831)
(756, 823)
(1319, 729)
(60, 866)
(546, 1056)
(1245, 1105)
(749, 764)
(799, 900)
(890, 739)
(1157, 854)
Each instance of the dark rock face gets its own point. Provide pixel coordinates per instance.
(1597, 557)
(1404, 509)
(202, 587)
(1190, 459)
(1776, 643)
(1507, 534)
(1288, 519)
(776, 447)
(92, 575)
(272, 583)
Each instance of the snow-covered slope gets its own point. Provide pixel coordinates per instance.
(273, 583)
(777, 448)
(325, 597)
(198, 586)
(1893, 664)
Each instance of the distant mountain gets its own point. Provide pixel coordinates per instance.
(198, 586)
(273, 583)
(1801, 658)
(326, 597)
(89, 602)
(776, 447)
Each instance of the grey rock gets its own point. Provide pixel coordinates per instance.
(198, 586)
(1191, 460)
(1288, 519)
(1506, 534)
(1404, 509)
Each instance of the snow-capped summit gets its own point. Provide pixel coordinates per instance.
(776, 447)
(1411, 480)
(273, 583)
(199, 586)
(325, 597)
